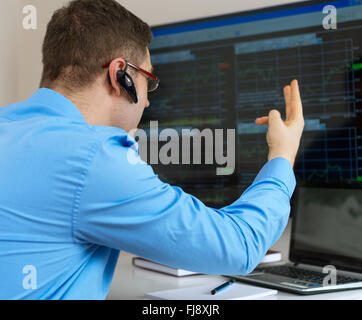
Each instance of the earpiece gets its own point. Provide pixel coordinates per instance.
(126, 82)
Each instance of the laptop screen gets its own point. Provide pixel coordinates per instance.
(327, 225)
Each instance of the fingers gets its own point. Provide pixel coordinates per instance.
(287, 98)
(296, 107)
(293, 105)
(262, 120)
(273, 116)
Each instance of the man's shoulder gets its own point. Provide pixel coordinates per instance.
(75, 133)
(115, 163)
(112, 140)
(110, 145)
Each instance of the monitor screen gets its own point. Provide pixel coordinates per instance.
(327, 225)
(218, 74)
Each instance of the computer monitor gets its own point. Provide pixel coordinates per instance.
(223, 72)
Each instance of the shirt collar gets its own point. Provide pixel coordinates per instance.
(56, 104)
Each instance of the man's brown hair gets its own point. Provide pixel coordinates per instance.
(84, 35)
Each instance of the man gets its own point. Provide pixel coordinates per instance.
(69, 198)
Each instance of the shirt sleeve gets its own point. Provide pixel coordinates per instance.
(125, 206)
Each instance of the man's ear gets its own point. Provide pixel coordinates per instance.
(114, 67)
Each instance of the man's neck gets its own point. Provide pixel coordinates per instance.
(91, 104)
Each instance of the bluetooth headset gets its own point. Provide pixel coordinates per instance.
(126, 82)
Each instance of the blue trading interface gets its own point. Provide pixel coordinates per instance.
(225, 71)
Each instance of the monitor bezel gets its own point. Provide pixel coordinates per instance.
(237, 14)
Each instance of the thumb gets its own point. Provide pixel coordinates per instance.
(275, 118)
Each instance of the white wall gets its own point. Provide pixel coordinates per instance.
(30, 66)
(9, 31)
(20, 53)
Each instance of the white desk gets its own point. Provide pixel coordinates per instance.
(131, 283)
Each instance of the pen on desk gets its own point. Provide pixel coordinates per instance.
(222, 287)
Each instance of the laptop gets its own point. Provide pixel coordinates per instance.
(325, 252)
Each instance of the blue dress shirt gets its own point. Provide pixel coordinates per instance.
(70, 200)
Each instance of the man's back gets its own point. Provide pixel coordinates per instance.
(44, 153)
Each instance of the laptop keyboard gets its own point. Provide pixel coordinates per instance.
(303, 274)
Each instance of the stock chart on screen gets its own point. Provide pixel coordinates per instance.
(223, 72)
